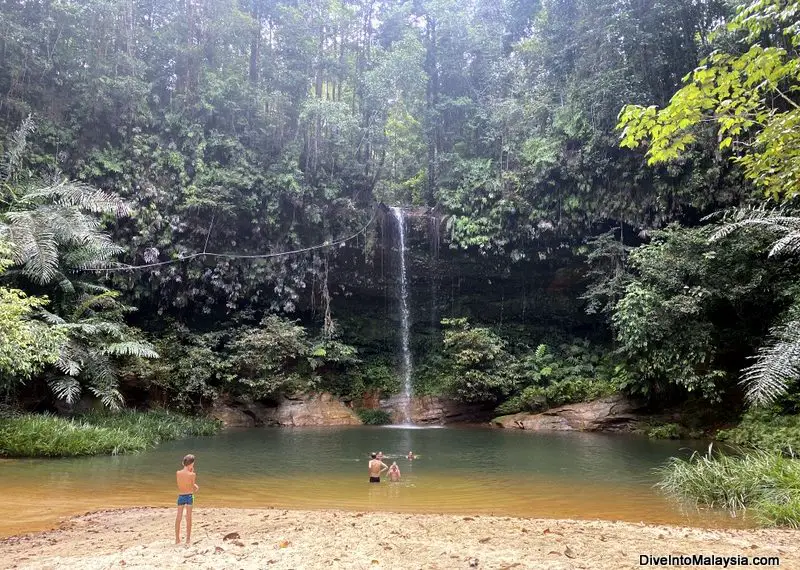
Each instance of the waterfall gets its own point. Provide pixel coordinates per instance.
(404, 317)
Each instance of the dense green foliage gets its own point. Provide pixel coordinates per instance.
(747, 92)
(664, 431)
(218, 166)
(28, 345)
(573, 372)
(747, 89)
(689, 309)
(203, 163)
(765, 484)
(767, 430)
(476, 362)
(32, 435)
(374, 417)
(477, 365)
(248, 361)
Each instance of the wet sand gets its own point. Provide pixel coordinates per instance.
(276, 538)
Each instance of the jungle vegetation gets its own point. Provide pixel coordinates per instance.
(192, 200)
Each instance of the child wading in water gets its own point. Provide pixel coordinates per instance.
(186, 488)
(394, 472)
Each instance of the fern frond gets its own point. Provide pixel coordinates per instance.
(776, 364)
(57, 225)
(90, 287)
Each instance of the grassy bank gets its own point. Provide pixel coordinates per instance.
(41, 435)
(766, 484)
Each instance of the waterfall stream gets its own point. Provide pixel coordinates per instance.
(404, 317)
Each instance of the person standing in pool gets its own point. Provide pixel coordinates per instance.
(187, 486)
(376, 467)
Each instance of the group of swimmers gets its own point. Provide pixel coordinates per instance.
(377, 466)
(187, 486)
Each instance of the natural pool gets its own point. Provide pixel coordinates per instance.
(465, 470)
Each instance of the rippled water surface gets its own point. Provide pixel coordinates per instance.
(459, 470)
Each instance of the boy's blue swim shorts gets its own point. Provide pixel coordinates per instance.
(185, 499)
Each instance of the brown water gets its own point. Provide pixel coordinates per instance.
(460, 470)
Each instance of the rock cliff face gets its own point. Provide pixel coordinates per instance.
(434, 410)
(327, 410)
(292, 411)
(607, 414)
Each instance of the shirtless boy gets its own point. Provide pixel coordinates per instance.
(394, 472)
(186, 488)
(376, 467)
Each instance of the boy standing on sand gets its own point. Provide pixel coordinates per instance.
(186, 488)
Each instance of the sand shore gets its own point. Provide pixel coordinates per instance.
(276, 538)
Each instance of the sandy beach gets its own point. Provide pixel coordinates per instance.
(276, 538)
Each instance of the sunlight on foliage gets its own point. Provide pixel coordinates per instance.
(747, 96)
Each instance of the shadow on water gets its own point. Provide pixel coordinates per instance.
(458, 470)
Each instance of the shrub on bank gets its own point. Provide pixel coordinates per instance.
(374, 417)
(766, 483)
(664, 431)
(42, 435)
(765, 430)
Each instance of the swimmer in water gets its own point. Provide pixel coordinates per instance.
(411, 456)
(394, 472)
(376, 467)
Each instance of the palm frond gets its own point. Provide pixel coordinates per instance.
(57, 225)
(34, 245)
(96, 327)
(103, 380)
(68, 366)
(104, 300)
(16, 148)
(51, 318)
(70, 193)
(776, 364)
(771, 218)
(141, 349)
(70, 357)
(65, 388)
(787, 245)
(64, 284)
(110, 397)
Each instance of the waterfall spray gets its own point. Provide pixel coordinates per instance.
(404, 317)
